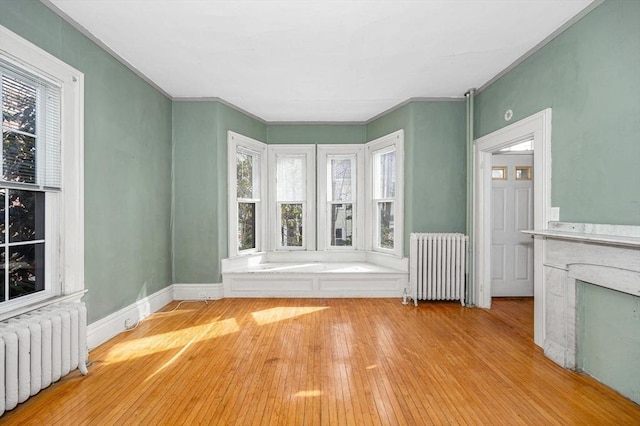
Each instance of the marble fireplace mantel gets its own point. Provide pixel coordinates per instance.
(603, 255)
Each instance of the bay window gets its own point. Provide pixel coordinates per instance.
(360, 205)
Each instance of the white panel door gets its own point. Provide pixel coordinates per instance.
(511, 213)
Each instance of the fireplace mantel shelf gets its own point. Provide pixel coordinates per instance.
(591, 238)
(617, 235)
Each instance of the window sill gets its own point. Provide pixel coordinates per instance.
(73, 297)
(252, 261)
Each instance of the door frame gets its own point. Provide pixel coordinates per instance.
(538, 127)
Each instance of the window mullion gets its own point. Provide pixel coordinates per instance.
(6, 245)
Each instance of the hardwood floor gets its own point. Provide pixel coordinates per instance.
(327, 362)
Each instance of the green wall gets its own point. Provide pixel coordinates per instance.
(435, 155)
(195, 192)
(316, 133)
(609, 338)
(127, 164)
(590, 76)
(200, 186)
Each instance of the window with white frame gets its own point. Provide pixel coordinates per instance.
(40, 257)
(293, 195)
(340, 197)
(359, 196)
(385, 190)
(247, 191)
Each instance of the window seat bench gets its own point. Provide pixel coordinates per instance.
(315, 274)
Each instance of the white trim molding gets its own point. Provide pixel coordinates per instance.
(538, 127)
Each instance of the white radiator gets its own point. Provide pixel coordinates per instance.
(40, 347)
(437, 266)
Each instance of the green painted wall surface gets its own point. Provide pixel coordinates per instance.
(435, 194)
(437, 182)
(609, 338)
(316, 133)
(590, 76)
(127, 164)
(200, 186)
(195, 192)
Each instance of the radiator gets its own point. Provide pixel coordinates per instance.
(437, 266)
(40, 347)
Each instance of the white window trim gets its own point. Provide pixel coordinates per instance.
(71, 206)
(324, 153)
(234, 141)
(393, 140)
(309, 210)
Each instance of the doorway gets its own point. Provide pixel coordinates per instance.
(512, 213)
(537, 128)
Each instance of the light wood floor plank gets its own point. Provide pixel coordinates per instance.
(327, 362)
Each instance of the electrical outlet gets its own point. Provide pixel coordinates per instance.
(202, 295)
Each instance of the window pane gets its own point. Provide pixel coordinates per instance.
(18, 105)
(2, 211)
(18, 157)
(385, 225)
(387, 175)
(341, 224)
(291, 225)
(3, 294)
(246, 175)
(246, 226)
(291, 178)
(26, 270)
(26, 215)
(341, 186)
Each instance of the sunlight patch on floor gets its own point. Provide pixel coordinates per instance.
(308, 394)
(164, 342)
(280, 313)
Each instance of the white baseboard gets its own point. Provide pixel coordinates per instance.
(114, 324)
(198, 291)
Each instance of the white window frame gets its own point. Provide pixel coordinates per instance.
(65, 218)
(325, 154)
(391, 142)
(309, 207)
(236, 142)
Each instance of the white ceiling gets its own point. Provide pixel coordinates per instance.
(315, 60)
